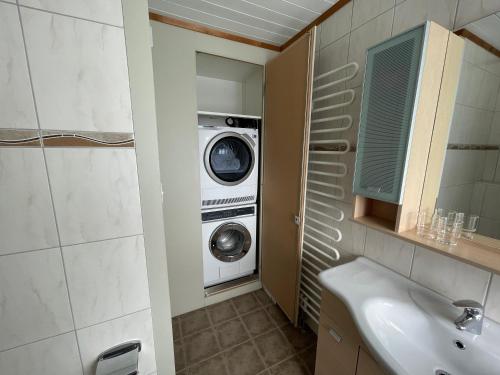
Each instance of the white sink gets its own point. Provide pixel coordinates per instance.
(409, 328)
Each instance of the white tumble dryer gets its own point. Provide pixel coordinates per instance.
(229, 248)
(229, 166)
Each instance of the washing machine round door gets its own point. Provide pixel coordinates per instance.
(229, 158)
(230, 242)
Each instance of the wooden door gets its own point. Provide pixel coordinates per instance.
(286, 132)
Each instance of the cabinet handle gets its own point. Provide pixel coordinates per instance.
(335, 335)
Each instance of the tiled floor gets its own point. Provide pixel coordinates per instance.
(245, 335)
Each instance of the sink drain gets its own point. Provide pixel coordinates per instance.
(459, 344)
(442, 372)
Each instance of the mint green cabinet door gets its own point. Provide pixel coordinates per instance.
(387, 110)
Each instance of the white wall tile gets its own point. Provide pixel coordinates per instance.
(479, 56)
(492, 309)
(334, 55)
(477, 198)
(411, 13)
(389, 251)
(96, 339)
(491, 209)
(489, 227)
(106, 279)
(358, 238)
(371, 33)
(96, 193)
(54, 356)
(79, 73)
(469, 11)
(495, 129)
(456, 197)
(449, 277)
(470, 125)
(109, 11)
(338, 25)
(34, 300)
(25, 196)
(16, 100)
(490, 165)
(365, 10)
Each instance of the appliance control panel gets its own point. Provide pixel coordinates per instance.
(227, 213)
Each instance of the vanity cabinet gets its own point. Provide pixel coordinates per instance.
(340, 349)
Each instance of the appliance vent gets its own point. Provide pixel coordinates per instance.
(216, 202)
(386, 117)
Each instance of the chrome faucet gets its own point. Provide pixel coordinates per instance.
(472, 318)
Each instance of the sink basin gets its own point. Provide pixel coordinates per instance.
(409, 328)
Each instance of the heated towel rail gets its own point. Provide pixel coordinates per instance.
(322, 216)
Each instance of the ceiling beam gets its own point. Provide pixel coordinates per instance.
(479, 41)
(241, 39)
(210, 31)
(329, 12)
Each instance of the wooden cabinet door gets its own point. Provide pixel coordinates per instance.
(367, 365)
(285, 139)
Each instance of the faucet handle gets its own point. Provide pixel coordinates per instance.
(468, 304)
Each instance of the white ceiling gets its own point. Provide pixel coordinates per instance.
(487, 28)
(270, 21)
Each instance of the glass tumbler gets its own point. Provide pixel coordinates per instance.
(455, 232)
(441, 229)
(470, 226)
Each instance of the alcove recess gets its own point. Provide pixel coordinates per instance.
(433, 103)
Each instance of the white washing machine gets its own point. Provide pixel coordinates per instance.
(229, 249)
(229, 166)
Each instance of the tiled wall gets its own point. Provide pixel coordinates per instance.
(73, 278)
(343, 38)
(471, 175)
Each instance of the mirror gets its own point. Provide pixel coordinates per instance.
(470, 181)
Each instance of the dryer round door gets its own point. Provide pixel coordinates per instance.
(229, 158)
(230, 242)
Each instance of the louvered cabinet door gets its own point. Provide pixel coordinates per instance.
(387, 115)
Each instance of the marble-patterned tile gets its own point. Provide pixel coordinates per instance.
(109, 11)
(16, 100)
(392, 252)
(79, 73)
(491, 203)
(358, 238)
(336, 26)
(469, 11)
(106, 279)
(492, 309)
(449, 277)
(101, 185)
(333, 56)
(34, 300)
(366, 36)
(54, 356)
(365, 10)
(24, 194)
(411, 13)
(95, 339)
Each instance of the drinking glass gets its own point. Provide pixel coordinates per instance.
(454, 235)
(441, 229)
(470, 226)
(438, 212)
(422, 223)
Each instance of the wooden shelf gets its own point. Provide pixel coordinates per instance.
(220, 114)
(482, 251)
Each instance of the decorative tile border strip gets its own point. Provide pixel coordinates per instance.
(463, 146)
(58, 138)
(61, 138)
(19, 138)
